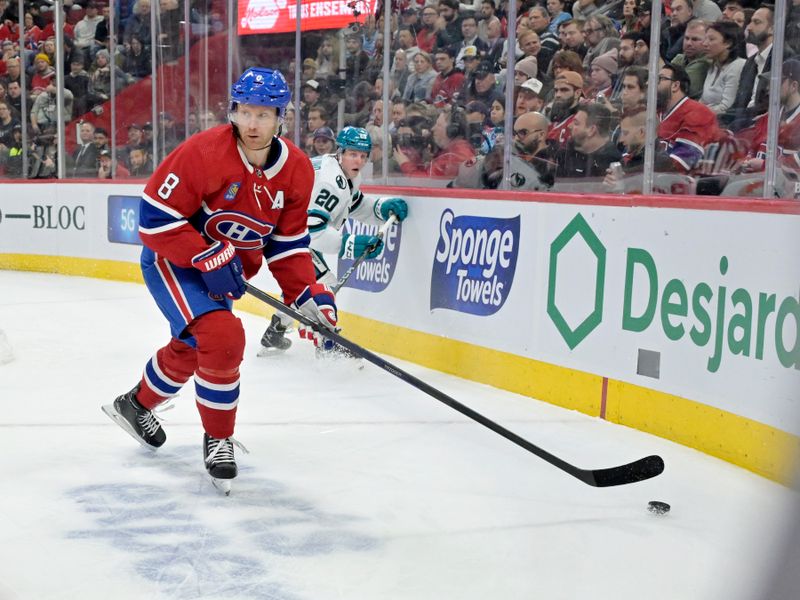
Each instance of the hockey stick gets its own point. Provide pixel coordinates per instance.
(639, 470)
(381, 232)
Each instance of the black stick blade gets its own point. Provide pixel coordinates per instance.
(638, 470)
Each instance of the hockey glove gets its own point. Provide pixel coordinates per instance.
(386, 206)
(354, 246)
(221, 270)
(318, 304)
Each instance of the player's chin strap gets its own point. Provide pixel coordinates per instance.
(638, 470)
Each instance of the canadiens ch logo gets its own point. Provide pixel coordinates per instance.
(242, 230)
(233, 190)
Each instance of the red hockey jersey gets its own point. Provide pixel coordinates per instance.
(687, 129)
(207, 190)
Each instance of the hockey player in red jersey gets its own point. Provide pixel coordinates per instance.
(219, 204)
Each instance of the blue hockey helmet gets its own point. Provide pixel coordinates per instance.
(354, 138)
(262, 87)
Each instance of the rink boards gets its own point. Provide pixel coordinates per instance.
(674, 316)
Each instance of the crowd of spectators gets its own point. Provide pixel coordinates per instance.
(88, 71)
(579, 85)
(579, 82)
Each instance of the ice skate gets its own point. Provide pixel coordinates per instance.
(274, 340)
(140, 423)
(220, 462)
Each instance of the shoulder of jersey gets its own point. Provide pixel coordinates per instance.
(216, 137)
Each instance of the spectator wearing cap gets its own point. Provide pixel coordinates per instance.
(471, 61)
(43, 74)
(448, 24)
(600, 36)
(420, 82)
(449, 81)
(469, 37)
(525, 69)
(137, 61)
(590, 150)
(104, 169)
(324, 142)
(789, 127)
(409, 17)
(311, 95)
(483, 86)
(686, 126)
(407, 43)
(602, 75)
(310, 67)
(100, 73)
(530, 97)
(426, 32)
(693, 58)
(724, 45)
(567, 94)
(85, 29)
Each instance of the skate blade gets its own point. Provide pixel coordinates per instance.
(222, 485)
(264, 351)
(117, 418)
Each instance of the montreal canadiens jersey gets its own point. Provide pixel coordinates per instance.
(334, 199)
(206, 190)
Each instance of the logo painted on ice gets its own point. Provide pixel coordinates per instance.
(474, 263)
(243, 231)
(372, 275)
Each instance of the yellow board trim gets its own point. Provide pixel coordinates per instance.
(765, 450)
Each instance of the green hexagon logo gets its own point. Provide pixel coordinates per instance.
(577, 228)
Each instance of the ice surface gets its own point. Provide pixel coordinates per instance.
(357, 486)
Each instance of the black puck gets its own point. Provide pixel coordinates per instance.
(658, 508)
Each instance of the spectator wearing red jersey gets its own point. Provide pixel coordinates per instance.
(687, 126)
(449, 136)
(426, 34)
(789, 131)
(449, 81)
